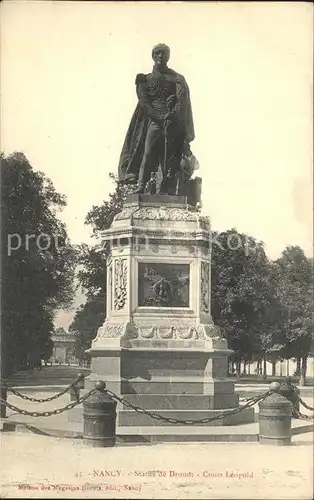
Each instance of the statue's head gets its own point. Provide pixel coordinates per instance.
(161, 54)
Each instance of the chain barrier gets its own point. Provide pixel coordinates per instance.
(41, 432)
(170, 420)
(295, 412)
(250, 402)
(48, 413)
(246, 400)
(303, 403)
(302, 416)
(41, 400)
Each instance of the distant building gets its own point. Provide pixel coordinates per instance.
(63, 347)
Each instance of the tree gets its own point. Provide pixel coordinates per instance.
(38, 262)
(294, 277)
(241, 293)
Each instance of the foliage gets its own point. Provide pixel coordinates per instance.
(38, 263)
(84, 326)
(101, 217)
(294, 278)
(240, 291)
(264, 307)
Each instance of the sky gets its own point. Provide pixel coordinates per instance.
(68, 94)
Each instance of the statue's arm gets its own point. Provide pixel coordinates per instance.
(183, 109)
(145, 102)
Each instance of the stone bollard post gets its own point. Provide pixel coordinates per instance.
(291, 392)
(75, 389)
(99, 418)
(275, 413)
(3, 408)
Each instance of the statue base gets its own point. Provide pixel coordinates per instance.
(158, 347)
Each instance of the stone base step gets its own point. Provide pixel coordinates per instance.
(157, 385)
(189, 433)
(181, 401)
(132, 418)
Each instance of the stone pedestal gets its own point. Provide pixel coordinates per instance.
(158, 346)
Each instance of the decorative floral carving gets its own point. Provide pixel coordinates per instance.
(189, 334)
(111, 330)
(164, 333)
(209, 331)
(110, 285)
(205, 287)
(148, 334)
(126, 213)
(168, 334)
(120, 288)
(165, 213)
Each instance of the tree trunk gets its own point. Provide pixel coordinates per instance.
(298, 368)
(264, 368)
(273, 369)
(238, 368)
(244, 367)
(303, 371)
(249, 368)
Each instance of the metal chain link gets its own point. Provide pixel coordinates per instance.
(303, 403)
(302, 416)
(297, 413)
(170, 420)
(246, 400)
(48, 413)
(42, 400)
(36, 430)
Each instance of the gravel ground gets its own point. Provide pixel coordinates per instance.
(42, 467)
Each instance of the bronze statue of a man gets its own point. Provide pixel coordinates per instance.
(161, 128)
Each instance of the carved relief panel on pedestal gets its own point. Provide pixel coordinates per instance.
(163, 285)
(205, 292)
(120, 283)
(110, 285)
